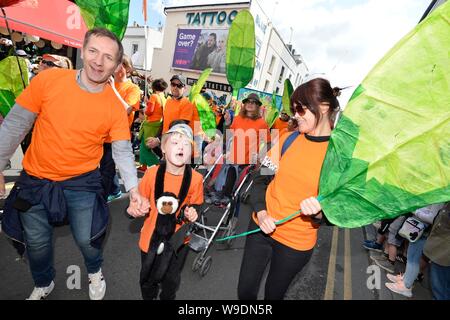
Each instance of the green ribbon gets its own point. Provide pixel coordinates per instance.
(292, 216)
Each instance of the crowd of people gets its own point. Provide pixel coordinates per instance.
(82, 122)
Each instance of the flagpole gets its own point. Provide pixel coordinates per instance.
(144, 8)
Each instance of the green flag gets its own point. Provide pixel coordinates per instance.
(240, 60)
(206, 115)
(272, 111)
(390, 151)
(109, 14)
(11, 84)
(286, 100)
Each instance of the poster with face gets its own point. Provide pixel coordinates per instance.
(198, 49)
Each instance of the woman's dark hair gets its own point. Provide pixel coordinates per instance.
(314, 92)
(159, 85)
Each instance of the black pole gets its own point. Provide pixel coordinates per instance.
(14, 47)
(427, 12)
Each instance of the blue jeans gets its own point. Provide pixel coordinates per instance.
(440, 281)
(39, 233)
(415, 250)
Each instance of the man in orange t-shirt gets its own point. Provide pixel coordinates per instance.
(177, 107)
(73, 111)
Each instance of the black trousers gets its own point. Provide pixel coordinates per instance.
(171, 281)
(285, 263)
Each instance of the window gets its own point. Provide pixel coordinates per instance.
(257, 47)
(272, 63)
(135, 48)
(266, 86)
(277, 91)
(281, 74)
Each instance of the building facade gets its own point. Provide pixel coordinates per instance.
(136, 46)
(195, 38)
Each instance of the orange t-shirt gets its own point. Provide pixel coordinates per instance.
(280, 124)
(296, 179)
(172, 184)
(175, 109)
(71, 125)
(154, 111)
(246, 138)
(131, 94)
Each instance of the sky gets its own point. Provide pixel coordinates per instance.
(341, 40)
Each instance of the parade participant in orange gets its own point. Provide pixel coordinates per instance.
(177, 107)
(174, 191)
(129, 95)
(74, 111)
(289, 246)
(152, 125)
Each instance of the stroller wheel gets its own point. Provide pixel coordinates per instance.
(197, 262)
(206, 265)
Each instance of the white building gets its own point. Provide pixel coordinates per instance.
(134, 45)
(187, 27)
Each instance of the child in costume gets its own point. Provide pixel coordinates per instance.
(174, 191)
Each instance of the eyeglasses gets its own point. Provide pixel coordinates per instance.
(49, 63)
(178, 85)
(299, 108)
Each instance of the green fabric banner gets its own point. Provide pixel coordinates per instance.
(390, 152)
(109, 14)
(240, 59)
(11, 84)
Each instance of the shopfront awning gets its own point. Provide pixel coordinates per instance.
(58, 21)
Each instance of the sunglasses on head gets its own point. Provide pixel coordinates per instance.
(178, 85)
(50, 63)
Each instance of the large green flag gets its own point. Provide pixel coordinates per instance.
(390, 151)
(109, 14)
(11, 84)
(241, 51)
(206, 115)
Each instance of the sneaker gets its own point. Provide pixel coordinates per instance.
(112, 197)
(399, 287)
(225, 201)
(386, 265)
(97, 285)
(41, 292)
(373, 246)
(381, 257)
(395, 278)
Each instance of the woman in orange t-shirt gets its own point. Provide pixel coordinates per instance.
(294, 185)
(152, 125)
(248, 128)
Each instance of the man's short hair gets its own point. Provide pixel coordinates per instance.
(102, 32)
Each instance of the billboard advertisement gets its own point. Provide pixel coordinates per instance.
(198, 49)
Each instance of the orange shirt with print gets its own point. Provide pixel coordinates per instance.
(172, 183)
(296, 179)
(177, 109)
(246, 138)
(71, 126)
(154, 111)
(131, 94)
